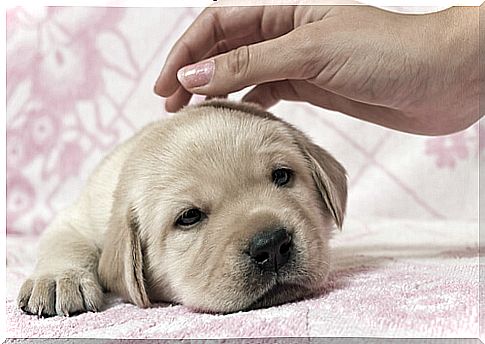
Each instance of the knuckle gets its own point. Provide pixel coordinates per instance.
(239, 60)
(305, 52)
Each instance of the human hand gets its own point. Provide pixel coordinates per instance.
(413, 73)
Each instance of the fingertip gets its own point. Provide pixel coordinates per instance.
(164, 87)
(257, 96)
(170, 106)
(167, 83)
(177, 100)
(156, 89)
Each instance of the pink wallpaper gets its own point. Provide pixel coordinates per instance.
(79, 80)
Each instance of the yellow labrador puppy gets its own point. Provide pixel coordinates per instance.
(222, 207)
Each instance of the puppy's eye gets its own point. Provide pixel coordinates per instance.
(190, 217)
(282, 176)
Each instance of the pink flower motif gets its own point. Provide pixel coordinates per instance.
(67, 74)
(42, 131)
(57, 61)
(20, 198)
(18, 152)
(38, 136)
(448, 150)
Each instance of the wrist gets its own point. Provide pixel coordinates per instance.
(449, 55)
(461, 48)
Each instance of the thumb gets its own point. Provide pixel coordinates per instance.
(285, 57)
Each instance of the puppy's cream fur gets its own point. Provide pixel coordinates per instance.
(121, 234)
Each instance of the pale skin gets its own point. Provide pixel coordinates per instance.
(413, 73)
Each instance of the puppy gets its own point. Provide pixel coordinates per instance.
(222, 207)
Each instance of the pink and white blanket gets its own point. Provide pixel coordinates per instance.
(79, 80)
(389, 279)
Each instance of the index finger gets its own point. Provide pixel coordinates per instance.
(213, 25)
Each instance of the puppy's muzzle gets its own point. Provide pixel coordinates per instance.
(270, 250)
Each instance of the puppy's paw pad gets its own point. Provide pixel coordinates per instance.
(67, 293)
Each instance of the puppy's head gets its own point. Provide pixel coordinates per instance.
(223, 207)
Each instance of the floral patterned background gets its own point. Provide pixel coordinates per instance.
(79, 80)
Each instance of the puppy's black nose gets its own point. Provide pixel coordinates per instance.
(271, 249)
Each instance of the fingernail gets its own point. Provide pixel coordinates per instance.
(196, 75)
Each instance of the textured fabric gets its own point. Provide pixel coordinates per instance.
(79, 80)
(389, 279)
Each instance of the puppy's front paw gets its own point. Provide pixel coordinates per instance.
(66, 293)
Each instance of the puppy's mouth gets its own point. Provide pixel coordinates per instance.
(281, 293)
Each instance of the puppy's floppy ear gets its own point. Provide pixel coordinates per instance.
(121, 263)
(330, 178)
